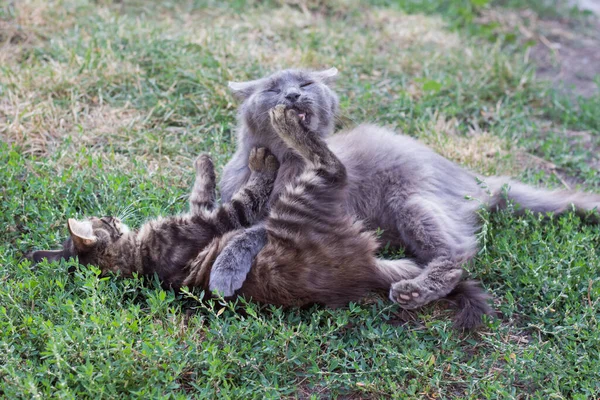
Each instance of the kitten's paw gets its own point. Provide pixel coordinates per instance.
(285, 121)
(204, 165)
(411, 294)
(261, 160)
(277, 115)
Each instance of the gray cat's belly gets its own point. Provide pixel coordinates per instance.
(386, 169)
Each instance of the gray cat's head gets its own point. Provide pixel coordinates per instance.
(306, 91)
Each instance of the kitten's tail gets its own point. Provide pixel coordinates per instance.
(471, 303)
(539, 200)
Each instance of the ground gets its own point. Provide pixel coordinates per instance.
(104, 105)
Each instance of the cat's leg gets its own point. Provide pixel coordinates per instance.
(233, 263)
(248, 203)
(311, 203)
(309, 145)
(441, 241)
(203, 195)
(309, 212)
(392, 271)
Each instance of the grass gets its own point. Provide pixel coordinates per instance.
(102, 108)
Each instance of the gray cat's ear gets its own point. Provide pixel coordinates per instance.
(327, 76)
(82, 234)
(243, 90)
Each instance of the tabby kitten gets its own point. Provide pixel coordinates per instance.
(315, 252)
(171, 247)
(419, 199)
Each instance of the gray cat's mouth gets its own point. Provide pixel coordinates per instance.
(304, 116)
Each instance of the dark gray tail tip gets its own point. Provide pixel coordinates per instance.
(471, 302)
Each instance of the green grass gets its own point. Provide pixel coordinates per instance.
(104, 105)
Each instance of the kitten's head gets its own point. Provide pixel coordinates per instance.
(104, 242)
(306, 91)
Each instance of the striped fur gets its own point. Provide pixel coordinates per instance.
(170, 247)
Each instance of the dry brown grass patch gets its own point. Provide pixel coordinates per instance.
(32, 21)
(478, 150)
(39, 127)
(287, 37)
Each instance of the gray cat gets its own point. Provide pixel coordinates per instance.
(422, 201)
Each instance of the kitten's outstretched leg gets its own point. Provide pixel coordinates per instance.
(203, 195)
(309, 145)
(247, 203)
(233, 263)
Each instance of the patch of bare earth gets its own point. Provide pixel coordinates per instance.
(566, 52)
(569, 59)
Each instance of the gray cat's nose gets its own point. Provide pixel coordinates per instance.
(292, 95)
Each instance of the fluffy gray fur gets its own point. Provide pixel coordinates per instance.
(235, 260)
(422, 201)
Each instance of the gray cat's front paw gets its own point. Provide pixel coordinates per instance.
(232, 266)
(226, 280)
(411, 294)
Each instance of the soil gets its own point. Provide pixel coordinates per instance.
(569, 55)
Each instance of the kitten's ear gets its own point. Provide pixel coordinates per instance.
(50, 255)
(243, 90)
(327, 76)
(82, 234)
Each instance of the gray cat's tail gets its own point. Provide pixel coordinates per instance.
(471, 303)
(541, 201)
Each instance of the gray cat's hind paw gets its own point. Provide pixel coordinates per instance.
(231, 267)
(409, 294)
(226, 281)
